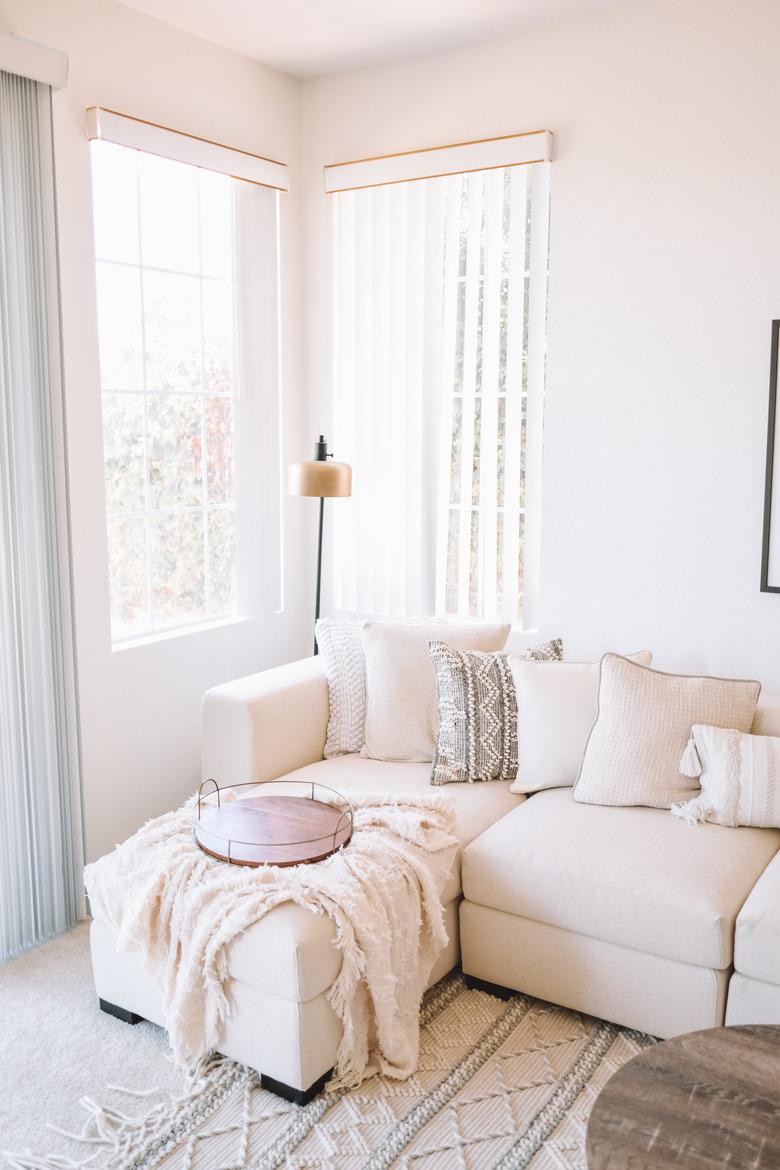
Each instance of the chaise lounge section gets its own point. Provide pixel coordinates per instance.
(271, 726)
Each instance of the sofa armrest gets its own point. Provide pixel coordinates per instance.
(263, 726)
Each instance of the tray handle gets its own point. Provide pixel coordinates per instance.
(216, 789)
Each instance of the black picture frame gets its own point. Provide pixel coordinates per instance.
(771, 458)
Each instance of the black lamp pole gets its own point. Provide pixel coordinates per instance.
(320, 455)
(319, 479)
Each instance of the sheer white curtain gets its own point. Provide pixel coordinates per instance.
(439, 384)
(387, 396)
(40, 854)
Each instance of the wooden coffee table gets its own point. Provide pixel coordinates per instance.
(706, 1100)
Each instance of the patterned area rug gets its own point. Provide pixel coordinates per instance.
(501, 1085)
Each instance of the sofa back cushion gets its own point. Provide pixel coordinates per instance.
(401, 708)
(644, 723)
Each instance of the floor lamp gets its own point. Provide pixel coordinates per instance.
(324, 479)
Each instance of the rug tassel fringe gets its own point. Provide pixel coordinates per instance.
(119, 1137)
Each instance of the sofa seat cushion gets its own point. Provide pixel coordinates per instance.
(637, 877)
(477, 805)
(291, 951)
(757, 942)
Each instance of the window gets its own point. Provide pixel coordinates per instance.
(187, 318)
(439, 382)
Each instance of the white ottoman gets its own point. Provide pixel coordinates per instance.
(281, 969)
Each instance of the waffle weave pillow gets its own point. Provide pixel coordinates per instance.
(643, 725)
(477, 736)
(401, 708)
(739, 776)
(341, 648)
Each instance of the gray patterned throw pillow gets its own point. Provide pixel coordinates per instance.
(477, 737)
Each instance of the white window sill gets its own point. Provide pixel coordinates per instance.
(187, 631)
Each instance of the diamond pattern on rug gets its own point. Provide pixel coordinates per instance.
(500, 1085)
(565, 1148)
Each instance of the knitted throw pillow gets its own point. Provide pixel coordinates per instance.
(644, 722)
(477, 738)
(341, 648)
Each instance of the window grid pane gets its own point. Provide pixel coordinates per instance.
(166, 321)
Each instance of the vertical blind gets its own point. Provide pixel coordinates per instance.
(439, 381)
(39, 803)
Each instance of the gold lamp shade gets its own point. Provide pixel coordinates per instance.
(319, 477)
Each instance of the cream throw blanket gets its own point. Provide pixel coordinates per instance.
(162, 895)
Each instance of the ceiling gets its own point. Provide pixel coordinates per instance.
(311, 37)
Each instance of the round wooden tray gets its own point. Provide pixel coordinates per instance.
(278, 828)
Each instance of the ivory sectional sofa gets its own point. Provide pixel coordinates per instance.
(624, 913)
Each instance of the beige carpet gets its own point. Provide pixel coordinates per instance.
(57, 1046)
(500, 1086)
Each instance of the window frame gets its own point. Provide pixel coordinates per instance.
(259, 574)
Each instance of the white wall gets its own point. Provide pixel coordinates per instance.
(140, 707)
(665, 274)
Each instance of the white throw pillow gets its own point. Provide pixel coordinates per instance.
(401, 707)
(739, 776)
(341, 648)
(477, 735)
(557, 704)
(644, 722)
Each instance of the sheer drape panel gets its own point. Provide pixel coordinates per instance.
(387, 380)
(257, 405)
(39, 812)
(450, 410)
(439, 384)
(538, 203)
(487, 576)
(516, 384)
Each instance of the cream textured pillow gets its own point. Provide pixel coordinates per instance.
(341, 648)
(477, 736)
(644, 722)
(739, 776)
(557, 703)
(401, 712)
